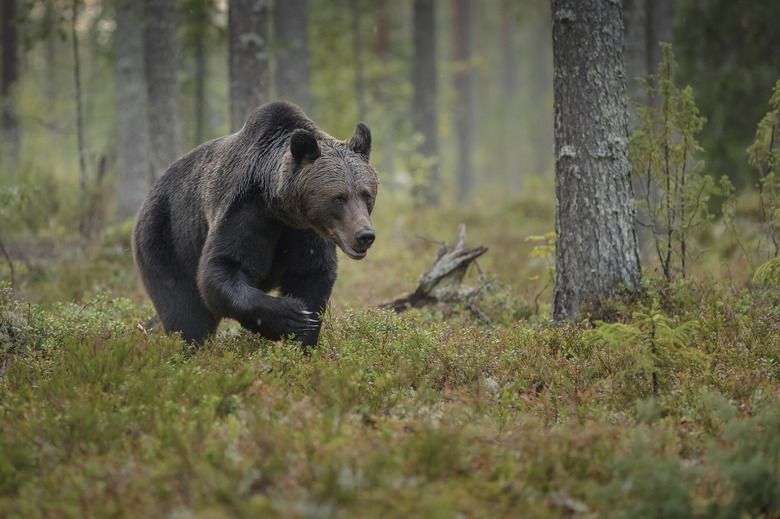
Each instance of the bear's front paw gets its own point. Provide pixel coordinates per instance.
(291, 318)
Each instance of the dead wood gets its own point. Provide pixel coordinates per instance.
(442, 283)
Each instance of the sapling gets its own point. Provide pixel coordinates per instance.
(672, 189)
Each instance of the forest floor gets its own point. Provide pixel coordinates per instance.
(673, 413)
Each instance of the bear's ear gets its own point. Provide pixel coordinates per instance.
(304, 146)
(361, 141)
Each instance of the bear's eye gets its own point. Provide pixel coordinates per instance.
(368, 200)
(340, 199)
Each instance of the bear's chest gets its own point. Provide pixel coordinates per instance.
(283, 259)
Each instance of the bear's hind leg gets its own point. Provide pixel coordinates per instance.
(180, 309)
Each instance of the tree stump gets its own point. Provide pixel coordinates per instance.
(442, 283)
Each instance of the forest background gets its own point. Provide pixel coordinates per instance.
(475, 133)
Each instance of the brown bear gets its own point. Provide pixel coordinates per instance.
(258, 210)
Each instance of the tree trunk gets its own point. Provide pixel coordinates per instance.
(424, 113)
(596, 246)
(249, 65)
(357, 46)
(635, 23)
(161, 64)
(9, 123)
(200, 74)
(659, 28)
(80, 143)
(292, 52)
(196, 16)
(383, 86)
(464, 88)
(133, 171)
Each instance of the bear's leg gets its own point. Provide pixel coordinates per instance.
(313, 289)
(180, 309)
(185, 313)
(227, 294)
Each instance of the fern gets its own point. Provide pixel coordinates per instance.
(659, 348)
(769, 272)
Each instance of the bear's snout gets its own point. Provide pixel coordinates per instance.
(365, 238)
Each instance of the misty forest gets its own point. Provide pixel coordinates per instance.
(571, 302)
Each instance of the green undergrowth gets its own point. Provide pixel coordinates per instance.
(396, 416)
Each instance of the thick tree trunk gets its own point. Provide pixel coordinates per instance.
(424, 113)
(131, 107)
(248, 24)
(596, 246)
(161, 64)
(292, 52)
(464, 86)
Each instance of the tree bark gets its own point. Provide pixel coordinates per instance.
(131, 105)
(9, 122)
(292, 54)
(464, 113)
(596, 246)
(161, 64)
(424, 112)
(248, 24)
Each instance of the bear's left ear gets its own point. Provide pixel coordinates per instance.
(304, 146)
(361, 141)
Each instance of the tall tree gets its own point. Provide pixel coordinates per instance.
(729, 53)
(635, 54)
(464, 87)
(357, 46)
(161, 65)
(248, 28)
(292, 52)
(133, 170)
(659, 23)
(647, 23)
(9, 122)
(384, 85)
(79, 126)
(596, 245)
(424, 113)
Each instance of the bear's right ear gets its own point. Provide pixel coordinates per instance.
(304, 146)
(361, 141)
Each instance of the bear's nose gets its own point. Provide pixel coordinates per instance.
(365, 238)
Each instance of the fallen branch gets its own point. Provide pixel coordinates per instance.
(442, 283)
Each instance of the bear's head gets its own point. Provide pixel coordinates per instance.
(335, 188)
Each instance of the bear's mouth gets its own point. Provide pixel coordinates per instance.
(353, 253)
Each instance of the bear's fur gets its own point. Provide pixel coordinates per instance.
(258, 210)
